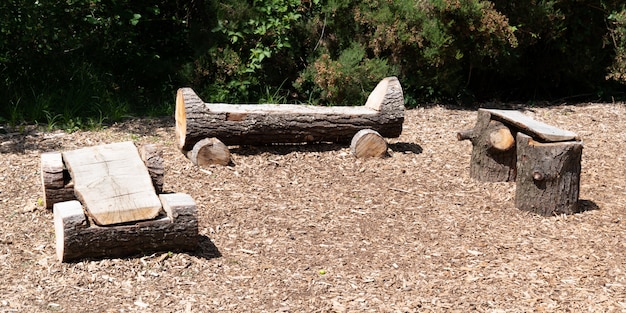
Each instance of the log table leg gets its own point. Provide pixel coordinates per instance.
(209, 151)
(77, 238)
(368, 143)
(55, 180)
(493, 150)
(548, 177)
(152, 156)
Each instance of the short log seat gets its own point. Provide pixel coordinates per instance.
(545, 161)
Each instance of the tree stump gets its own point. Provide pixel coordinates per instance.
(259, 124)
(368, 143)
(548, 176)
(493, 156)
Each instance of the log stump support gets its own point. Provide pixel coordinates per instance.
(209, 151)
(78, 238)
(55, 179)
(368, 143)
(544, 161)
(548, 178)
(493, 154)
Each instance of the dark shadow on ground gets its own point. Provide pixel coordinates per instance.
(284, 149)
(144, 126)
(587, 205)
(206, 249)
(406, 147)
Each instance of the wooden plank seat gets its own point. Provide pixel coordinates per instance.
(545, 161)
(118, 211)
(536, 129)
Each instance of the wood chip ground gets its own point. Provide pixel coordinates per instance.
(309, 228)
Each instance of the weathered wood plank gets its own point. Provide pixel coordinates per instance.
(532, 127)
(113, 183)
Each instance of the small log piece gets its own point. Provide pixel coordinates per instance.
(209, 151)
(368, 143)
(493, 157)
(259, 124)
(152, 156)
(55, 179)
(77, 239)
(548, 178)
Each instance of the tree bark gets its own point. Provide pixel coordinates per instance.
(283, 123)
(548, 178)
(152, 156)
(493, 156)
(368, 143)
(77, 238)
(55, 180)
(209, 151)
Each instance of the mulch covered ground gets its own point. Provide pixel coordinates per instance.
(309, 228)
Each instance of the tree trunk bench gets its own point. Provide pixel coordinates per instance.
(259, 124)
(106, 204)
(543, 160)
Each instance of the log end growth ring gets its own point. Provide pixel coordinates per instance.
(368, 143)
(181, 119)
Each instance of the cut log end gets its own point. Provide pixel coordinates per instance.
(181, 118)
(387, 93)
(209, 151)
(68, 218)
(465, 134)
(368, 143)
(501, 139)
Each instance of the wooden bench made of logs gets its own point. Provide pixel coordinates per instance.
(545, 161)
(105, 203)
(214, 126)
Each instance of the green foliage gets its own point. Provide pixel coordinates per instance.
(617, 39)
(246, 43)
(347, 80)
(87, 60)
(83, 63)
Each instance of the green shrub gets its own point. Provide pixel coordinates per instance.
(617, 39)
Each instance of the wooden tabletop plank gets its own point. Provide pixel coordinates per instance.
(112, 183)
(534, 128)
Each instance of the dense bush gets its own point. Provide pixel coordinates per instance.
(79, 61)
(76, 62)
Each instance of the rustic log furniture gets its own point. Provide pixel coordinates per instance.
(259, 124)
(545, 161)
(106, 203)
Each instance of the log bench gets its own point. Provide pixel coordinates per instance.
(260, 124)
(105, 203)
(543, 160)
